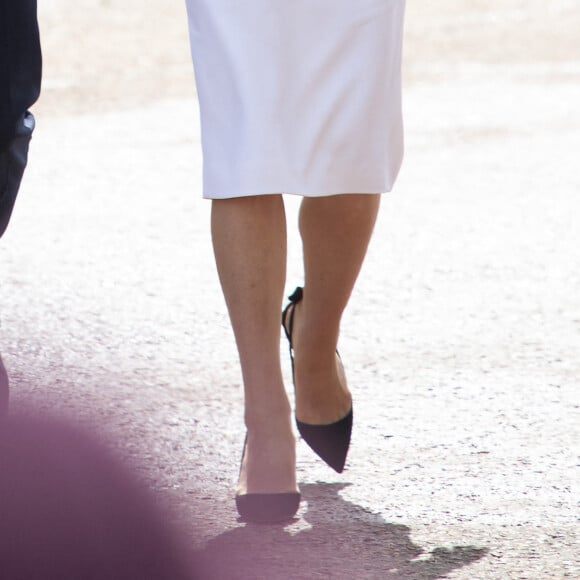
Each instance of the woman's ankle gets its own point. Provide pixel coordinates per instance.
(268, 421)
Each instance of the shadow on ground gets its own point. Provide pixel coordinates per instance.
(341, 540)
(4, 389)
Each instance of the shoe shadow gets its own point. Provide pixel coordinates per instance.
(4, 390)
(338, 539)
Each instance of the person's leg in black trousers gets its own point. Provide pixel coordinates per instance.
(20, 75)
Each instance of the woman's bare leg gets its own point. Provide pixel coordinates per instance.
(336, 231)
(249, 238)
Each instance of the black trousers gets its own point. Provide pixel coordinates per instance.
(20, 63)
(20, 75)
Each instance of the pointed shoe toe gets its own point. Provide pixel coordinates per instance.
(267, 508)
(330, 442)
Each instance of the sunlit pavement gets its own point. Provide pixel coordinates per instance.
(460, 343)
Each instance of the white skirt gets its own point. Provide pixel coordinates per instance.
(300, 96)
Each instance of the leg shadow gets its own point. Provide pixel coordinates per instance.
(4, 390)
(338, 540)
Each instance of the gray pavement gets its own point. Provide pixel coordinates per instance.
(461, 341)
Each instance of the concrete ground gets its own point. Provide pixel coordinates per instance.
(461, 341)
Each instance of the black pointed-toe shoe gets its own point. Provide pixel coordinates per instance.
(266, 508)
(331, 441)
